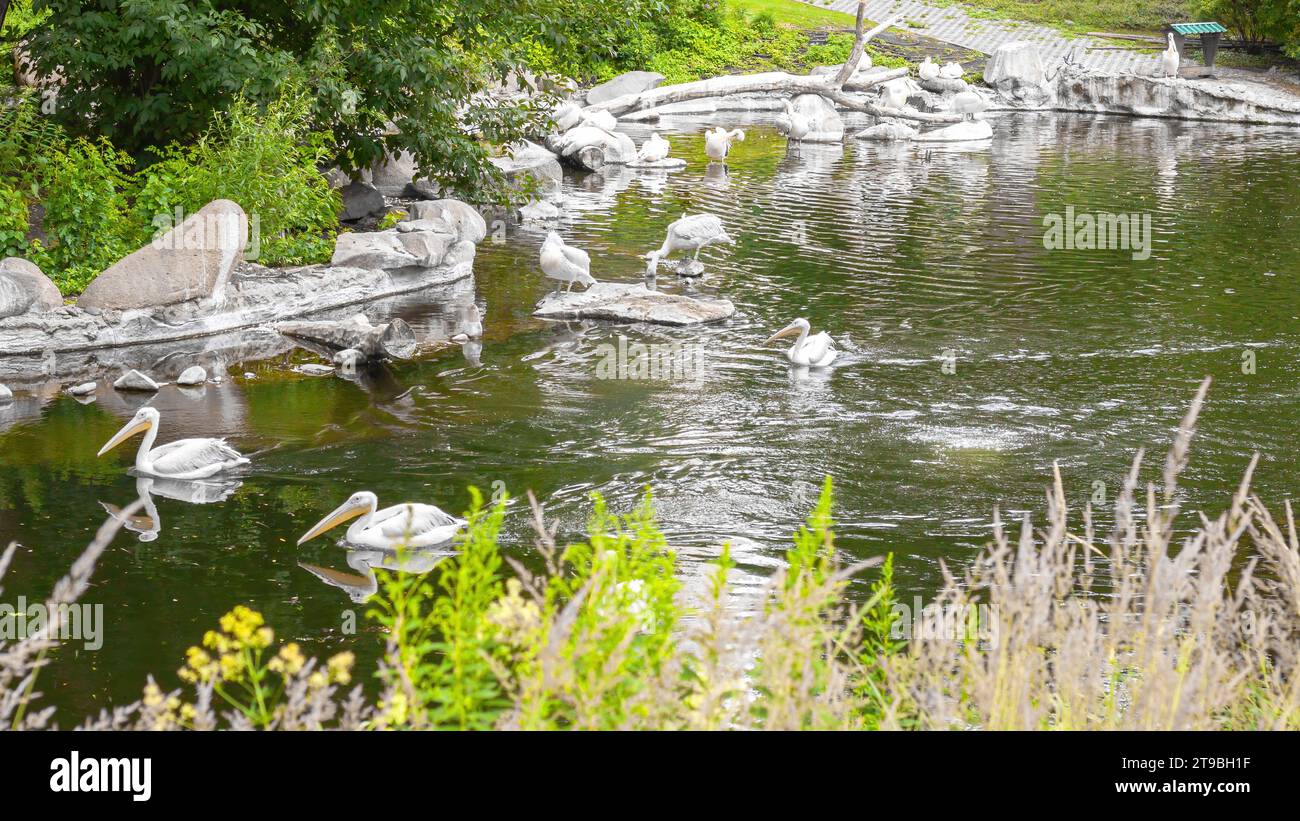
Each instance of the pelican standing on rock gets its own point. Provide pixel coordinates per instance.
(969, 104)
(406, 525)
(182, 459)
(564, 263)
(1169, 58)
(952, 71)
(810, 351)
(717, 143)
(689, 234)
(928, 70)
(797, 124)
(654, 149)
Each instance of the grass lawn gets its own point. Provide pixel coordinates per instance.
(794, 13)
(1080, 16)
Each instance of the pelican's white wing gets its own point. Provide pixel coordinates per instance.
(413, 524)
(697, 230)
(193, 458)
(819, 349)
(578, 257)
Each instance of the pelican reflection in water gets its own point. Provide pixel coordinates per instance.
(363, 584)
(147, 524)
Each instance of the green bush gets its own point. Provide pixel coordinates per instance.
(267, 163)
(86, 224)
(13, 222)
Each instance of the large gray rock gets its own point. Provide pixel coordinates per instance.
(25, 289)
(887, 131)
(361, 200)
(633, 303)
(967, 131)
(193, 375)
(6, 395)
(392, 250)
(526, 160)
(392, 174)
(193, 261)
(358, 334)
(633, 82)
(468, 222)
(1016, 70)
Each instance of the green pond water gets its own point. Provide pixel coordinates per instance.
(905, 256)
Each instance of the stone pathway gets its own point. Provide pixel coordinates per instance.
(956, 25)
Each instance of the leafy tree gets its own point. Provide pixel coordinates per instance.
(1257, 21)
(396, 74)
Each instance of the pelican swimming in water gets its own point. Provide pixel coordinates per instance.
(689, 234)
(182, 459)
(1169, 59)
(406, 525)
(654, 149)
(565, 263)
(814, 352)
(717, 143)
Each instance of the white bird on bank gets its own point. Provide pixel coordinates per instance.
(407, 525)
(717, 143)
(896, 92)
(969, 104)
(797, 124)
(1169, 59)
(814, 352)
(654, 149)
(564, 263)
(689, 234)
(182, 459)
(951, 71)
(928, 70)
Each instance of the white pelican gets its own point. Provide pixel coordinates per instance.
(717, 143)
(689, 234)
(896, 92)
(1169, 58)
(951, 71)
(969, 104)
(813, 352)
(564, 263)
(928, 70)
(797, 124)
(400, 526)
(654, 149)
(182, 459)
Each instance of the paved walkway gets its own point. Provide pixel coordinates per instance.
(954, 24)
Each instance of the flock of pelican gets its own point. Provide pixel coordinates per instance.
(416, 525)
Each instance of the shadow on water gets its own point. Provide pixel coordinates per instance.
(973, 358)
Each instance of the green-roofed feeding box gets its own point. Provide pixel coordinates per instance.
(1209, 32)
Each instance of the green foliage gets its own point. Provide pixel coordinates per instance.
(20, 19)
(13, 222)
(265, 161)
(1255, 21)
(86, 224)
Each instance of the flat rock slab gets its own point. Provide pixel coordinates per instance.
(968, 131)
(618, 302)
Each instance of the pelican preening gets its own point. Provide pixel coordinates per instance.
(1169, 58)
(717, 142)
(689, 234)
(951, 71)
(564, 263)
(816, 351)
(654, 149)
(928, 70)
(406, 525)
(182, 459)
(969, 104)
(796, 124)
